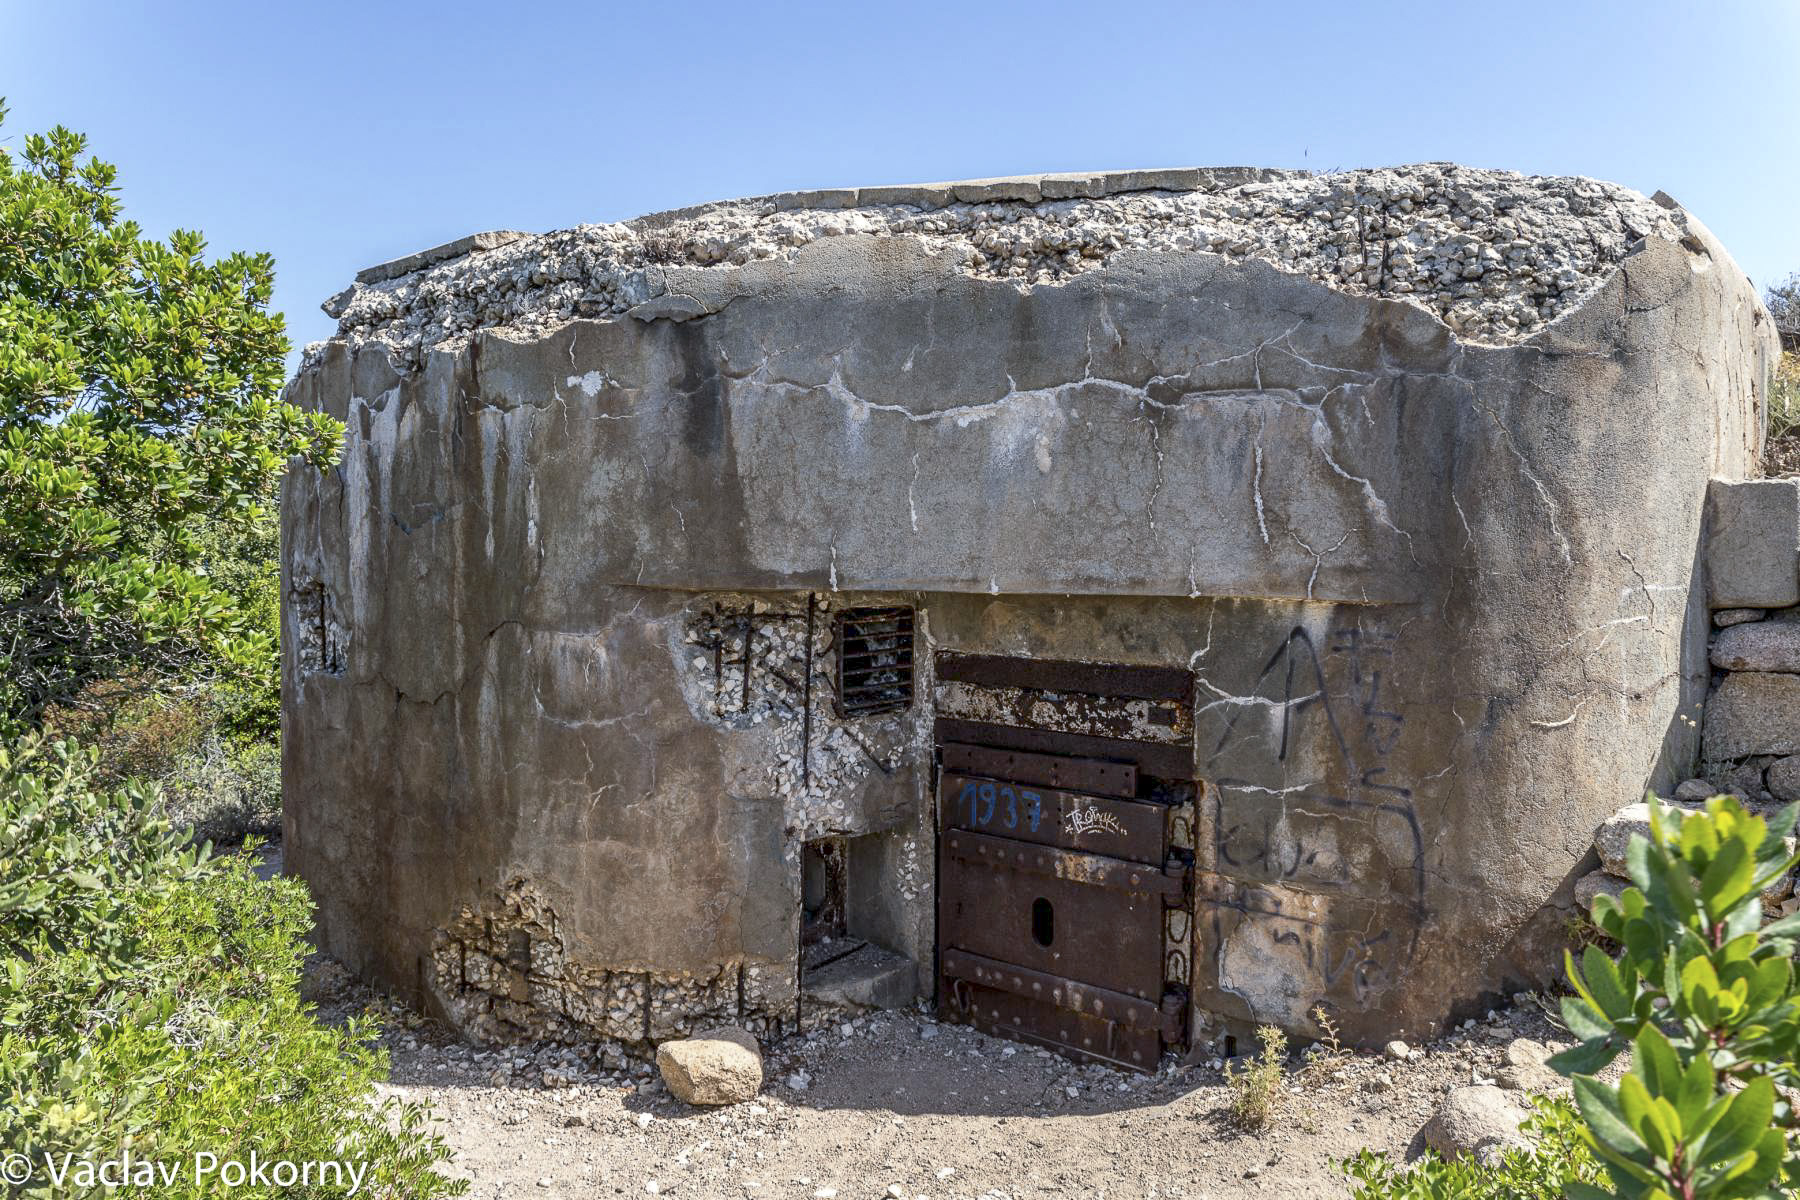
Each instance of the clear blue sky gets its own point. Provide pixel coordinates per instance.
(339, 135)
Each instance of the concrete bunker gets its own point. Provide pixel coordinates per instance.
(1121, 608)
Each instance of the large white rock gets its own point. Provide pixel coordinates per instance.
(718, 1066)
(1478, 1121)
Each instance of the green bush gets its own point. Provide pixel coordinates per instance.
(1704, 996)
(1556, 1159)
(1256, 1093)
(74, 860)
(214, 784)
(149, 1001)
(1784, 397)
(142, 439)
(225, 791)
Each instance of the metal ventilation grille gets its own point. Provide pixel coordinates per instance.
(875, 660)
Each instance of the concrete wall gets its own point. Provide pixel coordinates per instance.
(1437, 592)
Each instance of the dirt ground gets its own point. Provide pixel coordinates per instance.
(1781, 457)
(897, 1105)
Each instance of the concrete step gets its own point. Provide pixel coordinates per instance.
(867, 976)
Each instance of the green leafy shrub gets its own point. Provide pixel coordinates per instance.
(160, 1011)
(1556, 1158)
(140, 417)
(225, 791)
(1704, 996)
(213, 784)
(74, 859)
(1256, 1093)
(1784, 397)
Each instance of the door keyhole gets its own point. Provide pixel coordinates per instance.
(1043, 922)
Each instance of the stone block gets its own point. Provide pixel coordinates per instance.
(1169, 179)
(1737, 616)
(1759, 646)
(395, 268)
(1072, 185)
(983, 191)
(1753, 712)
(915, 195)
(868, 978)
(1691, 790)
(818, 198)
(1753, 543)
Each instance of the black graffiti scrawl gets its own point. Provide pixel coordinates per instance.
(1312, 887)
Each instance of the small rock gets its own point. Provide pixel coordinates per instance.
(718, 1066)
(1727, 617)
(825, 1193)
(643, 1120)
(1784, 778)
(927, 1032)
(1691, 791)
(1474, 1120)
(799, 1081)
(1538, 1078)
(1778, 892)
(1598, 883)
(1525, 1052)
(1396, 1050)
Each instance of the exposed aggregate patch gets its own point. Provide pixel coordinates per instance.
(1495, 254)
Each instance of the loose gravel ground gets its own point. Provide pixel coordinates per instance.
(897, 1105)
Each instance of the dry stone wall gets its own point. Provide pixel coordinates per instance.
(1751, 743)
(1752, 737)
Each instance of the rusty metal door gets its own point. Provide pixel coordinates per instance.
(1055, 880)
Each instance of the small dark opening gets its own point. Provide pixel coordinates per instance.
(875, 660)
(823, 890)
(1043, 922)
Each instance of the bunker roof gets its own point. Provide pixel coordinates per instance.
(1494, 254)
